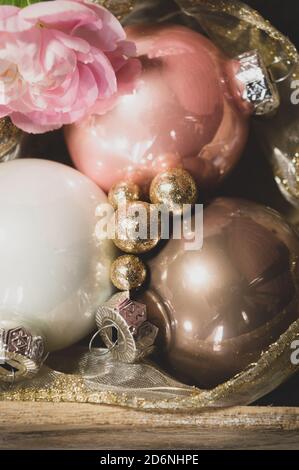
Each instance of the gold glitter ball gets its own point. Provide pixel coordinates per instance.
(174, 188)
(128, 272)
(137, 227)
(125, 191)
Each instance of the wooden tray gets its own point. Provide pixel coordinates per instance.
(77, 426)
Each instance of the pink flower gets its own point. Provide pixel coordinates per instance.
(61, 60)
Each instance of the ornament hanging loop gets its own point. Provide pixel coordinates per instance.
(110, 348)
(129, 318)
(291, 70)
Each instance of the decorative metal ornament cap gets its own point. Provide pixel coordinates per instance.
(258, 88)
(21, 354)
(127, 320)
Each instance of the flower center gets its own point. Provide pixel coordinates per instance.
(9, 74)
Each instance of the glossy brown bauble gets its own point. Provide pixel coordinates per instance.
(220, 307)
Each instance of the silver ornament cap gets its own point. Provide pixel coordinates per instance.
(123, 326)
(257, 86)
(21, 354)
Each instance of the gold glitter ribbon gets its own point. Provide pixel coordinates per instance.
(143, 386)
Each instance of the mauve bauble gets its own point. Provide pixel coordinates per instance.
(219, 307)
(53, 271)
(185, 112)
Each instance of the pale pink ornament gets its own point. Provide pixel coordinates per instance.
(186, 111)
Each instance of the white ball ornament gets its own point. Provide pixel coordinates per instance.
(54, 271)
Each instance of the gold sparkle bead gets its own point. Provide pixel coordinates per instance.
(174, 188)
(125, 191)
(137, 227)
(128, 272)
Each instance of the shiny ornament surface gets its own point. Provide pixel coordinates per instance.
(186, 111)
(173, 189)
(125, 191)
(218, 308)
(133, 229)
(128, 272)
(53, 271)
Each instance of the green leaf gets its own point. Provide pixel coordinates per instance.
(18, 3)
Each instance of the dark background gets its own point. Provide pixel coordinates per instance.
(284, 14)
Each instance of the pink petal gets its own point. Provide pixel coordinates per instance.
(119, 57)
(74, 116)
(4, 111)
(23, 104)
(102, 106)
(111, 24)
(87, 89)
(57, 60)
(71, 42)
(127, 79)
(104, 33)
(10, 20)
(33, 123)
(7, 11)
(60, 99)
(104, 74)
(127, 48)
(27, 55)
(58, 14)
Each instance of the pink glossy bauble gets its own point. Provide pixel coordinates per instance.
(185, 112)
